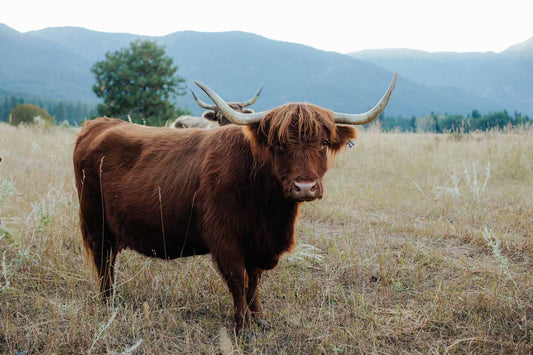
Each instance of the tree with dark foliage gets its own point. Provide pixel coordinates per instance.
(138, 81)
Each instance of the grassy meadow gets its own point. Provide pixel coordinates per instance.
(423, 243)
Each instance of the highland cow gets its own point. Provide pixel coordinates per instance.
(233, 191)
(213, 117)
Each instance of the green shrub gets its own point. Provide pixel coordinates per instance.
(31, 115)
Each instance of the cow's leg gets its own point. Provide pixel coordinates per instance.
(106, 270)
(234, 273)
(103, 251)
(253, 297)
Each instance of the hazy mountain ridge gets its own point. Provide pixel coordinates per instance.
(505, 78)
(235, 64)
(523, 49)
(37, 67)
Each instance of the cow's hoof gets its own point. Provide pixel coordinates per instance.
(263, 322)
(246, 334)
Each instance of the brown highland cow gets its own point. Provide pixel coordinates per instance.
(232, 192)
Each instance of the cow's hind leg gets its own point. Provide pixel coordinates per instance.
(102, 248)
(106, 270)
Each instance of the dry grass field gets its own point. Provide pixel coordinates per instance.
(422, 244)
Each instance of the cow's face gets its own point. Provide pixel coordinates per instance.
(296, 141)
(217, 115)
(293, 140)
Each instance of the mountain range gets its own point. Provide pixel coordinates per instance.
(505, 78)
(54, 63)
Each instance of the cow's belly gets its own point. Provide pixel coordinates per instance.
(176, 242)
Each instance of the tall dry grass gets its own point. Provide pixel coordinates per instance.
(422, 244)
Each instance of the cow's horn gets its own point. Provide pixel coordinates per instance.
(253, 99)
(232, 115)
(201, 103)
(363, 118)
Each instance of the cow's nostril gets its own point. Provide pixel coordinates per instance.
(305, 189)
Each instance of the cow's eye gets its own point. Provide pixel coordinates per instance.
(325, 144)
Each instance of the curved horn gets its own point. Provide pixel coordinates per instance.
(232, 115)
(253, 99)
(369, 116)
(201, 103)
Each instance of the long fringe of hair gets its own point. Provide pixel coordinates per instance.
(294, 123)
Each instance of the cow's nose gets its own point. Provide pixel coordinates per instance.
(307, 190)
(305, 187)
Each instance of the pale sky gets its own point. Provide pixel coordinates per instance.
(334, 25)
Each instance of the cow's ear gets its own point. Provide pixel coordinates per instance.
(258, 145)
(209, 115)
(257, 137)
(344, 135)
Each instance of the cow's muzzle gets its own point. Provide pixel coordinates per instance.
(306, 190)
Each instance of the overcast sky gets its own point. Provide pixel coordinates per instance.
(341, 26)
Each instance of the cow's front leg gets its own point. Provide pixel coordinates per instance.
(253, 297)
(234, 273)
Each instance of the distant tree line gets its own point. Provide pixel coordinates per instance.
(454, 123)
(72, 112)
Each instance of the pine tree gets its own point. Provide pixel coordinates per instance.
(138, 81)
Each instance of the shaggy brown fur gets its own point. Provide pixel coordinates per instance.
(227, 191)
